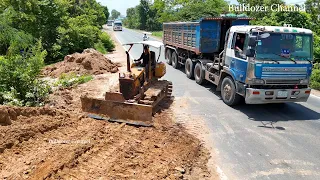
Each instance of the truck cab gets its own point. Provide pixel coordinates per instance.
(262, 64)
(274, 65)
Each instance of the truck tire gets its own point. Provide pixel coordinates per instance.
(189, 68)
(175, 63)
(199, 73)
(228, 92)
(168, 57)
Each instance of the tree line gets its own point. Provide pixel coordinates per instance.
(38, 32)
(149, 15)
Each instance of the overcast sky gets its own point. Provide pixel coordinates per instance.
(123, 5)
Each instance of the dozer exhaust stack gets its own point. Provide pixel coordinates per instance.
(128, 62)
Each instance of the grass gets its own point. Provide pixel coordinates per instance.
(71, 80)
(157, 33)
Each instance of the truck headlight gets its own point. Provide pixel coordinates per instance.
(304, 81)
(256, 81)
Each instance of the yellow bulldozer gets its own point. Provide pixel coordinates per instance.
(141, 91)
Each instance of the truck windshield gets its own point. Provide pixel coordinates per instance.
(284, 46)
(117, 24)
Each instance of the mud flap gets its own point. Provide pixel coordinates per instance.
(117, 110)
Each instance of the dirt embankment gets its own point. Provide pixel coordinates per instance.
(47, 143)
(59, 142)
(89, 61)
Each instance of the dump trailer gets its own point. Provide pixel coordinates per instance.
(262, 64)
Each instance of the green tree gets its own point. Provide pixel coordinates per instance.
(132, 19)
(260, 14)
(106, 12)
(194, 10)
(115, 14)
(58, 28)
(143, 10)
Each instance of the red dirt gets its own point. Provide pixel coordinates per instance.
(89, 61)
(59, 142)
(46, 143)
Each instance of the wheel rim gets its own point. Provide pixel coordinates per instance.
(227, 91)
(187, 67)
(198, 72)
(174, 60)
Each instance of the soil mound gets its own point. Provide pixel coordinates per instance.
(10, 113)
(89, 61)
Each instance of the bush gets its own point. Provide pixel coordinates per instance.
(106, 41)
(18, 78)
(315, 79)
(316, 44)
(71, 80)
(100, 47)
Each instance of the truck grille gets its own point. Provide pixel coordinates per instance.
(282, 81)
(284, 75)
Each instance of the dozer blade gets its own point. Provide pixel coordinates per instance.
(140, 109)
(117, 110)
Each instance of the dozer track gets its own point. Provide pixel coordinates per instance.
(139, 109)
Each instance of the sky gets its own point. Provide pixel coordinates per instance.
(123, 5)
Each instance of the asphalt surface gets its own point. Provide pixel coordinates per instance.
(252, 141)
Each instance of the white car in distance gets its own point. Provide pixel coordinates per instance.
(117, 26)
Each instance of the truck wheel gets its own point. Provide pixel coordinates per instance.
(199, 74)
(189, 68)
(168, 55)
(175, 63)
(228, 92)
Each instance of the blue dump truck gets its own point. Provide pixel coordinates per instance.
(262, 64)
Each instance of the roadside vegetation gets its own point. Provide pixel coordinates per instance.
(72, 80)
(149, 16)
(315, 78)
(34, 33)
(157, 34)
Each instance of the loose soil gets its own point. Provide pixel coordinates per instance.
(58, 141)
(89, 61)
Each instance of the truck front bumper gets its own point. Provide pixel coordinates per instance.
(264, 96)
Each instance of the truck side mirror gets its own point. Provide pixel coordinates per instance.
(252, 41)
(250, 52)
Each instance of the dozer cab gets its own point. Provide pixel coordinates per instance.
(140, 93)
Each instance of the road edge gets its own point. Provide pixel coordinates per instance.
(315, 92)
(140, 31)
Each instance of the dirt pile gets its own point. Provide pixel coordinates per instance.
(46, 143)
(10, 113)
(89, 61)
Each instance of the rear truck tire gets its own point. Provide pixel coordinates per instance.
(169, 59)
(189, 68)
(199, 74)
(228, 92)
(175, 63)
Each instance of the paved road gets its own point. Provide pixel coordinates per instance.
(248, 149)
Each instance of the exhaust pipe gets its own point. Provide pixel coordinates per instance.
(128, 62)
